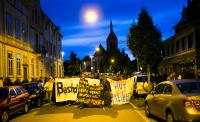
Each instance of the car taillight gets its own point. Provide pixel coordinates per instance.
(187, 103)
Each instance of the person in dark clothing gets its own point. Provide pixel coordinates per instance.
(17, 82)
(7, 82)
(25, 81)
(107, 92)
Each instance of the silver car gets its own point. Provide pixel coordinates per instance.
(177, 100)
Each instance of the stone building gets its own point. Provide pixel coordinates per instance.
(181, 52)
(30, 43)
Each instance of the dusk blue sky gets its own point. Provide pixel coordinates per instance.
(83, 39)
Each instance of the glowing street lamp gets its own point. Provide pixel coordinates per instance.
(112, 61)
(91, 63)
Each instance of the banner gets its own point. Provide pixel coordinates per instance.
(121, 90)
(93, 81)
(66, 89)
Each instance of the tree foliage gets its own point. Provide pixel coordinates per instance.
(72, 66)
(144, 41)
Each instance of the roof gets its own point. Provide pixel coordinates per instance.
(181, 81)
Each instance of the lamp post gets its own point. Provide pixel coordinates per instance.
(97, 51)
(92, 68)
(62, 57)
(84, 63)
(112, 61)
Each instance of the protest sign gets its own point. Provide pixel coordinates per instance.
(66, 89)
(121, 90)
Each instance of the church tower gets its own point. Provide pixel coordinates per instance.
(112, 41)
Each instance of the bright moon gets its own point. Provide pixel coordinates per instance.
(91, 16)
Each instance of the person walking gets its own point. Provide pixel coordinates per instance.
(1, 81)
(49, 89)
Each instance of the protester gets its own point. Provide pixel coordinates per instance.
(7, 82)
(17, 82)
(25, 81)
(49, 89)
(1, 81)
(107, 92)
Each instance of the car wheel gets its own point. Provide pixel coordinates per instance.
(170, 117)
(26, 108)
(147, 110)
(39, 102)
(4, 116)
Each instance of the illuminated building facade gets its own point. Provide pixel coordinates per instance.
(181, 52)
(30, 43)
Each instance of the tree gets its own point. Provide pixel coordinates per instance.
(72, 66)
(144, 41)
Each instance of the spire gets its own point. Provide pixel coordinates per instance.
(111, 25)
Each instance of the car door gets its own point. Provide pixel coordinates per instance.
(164, 99)
(155, 103)
(20, 97)
(12, 101)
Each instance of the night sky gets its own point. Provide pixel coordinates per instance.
(83, 38)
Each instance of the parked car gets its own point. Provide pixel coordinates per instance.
(177, 100)
(12, 100)
(36, 91)
(140, 84)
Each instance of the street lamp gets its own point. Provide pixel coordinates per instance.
(62, 56)
(92, 68)
(112, 61)
(84, 65)
(97, 51)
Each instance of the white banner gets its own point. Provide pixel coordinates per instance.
(93, 81)
(121, 90)
(66, 89)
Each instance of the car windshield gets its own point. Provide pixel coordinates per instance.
(3, 93)
(191, 87)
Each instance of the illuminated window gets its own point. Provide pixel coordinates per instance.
(9, 25)
(18, 62)
(10, 63)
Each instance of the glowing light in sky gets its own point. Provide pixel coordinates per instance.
(90, 14)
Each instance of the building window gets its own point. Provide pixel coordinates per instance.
(167, 50)
(32, 37)
(190, 41)
(17, 4)
(9, 25)
(41, 42)
(18, 62)
(10, 63)
(17, 29)
(24, 32)
(172, 48)
(177, 46)
(183, 43)
(32, 67)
